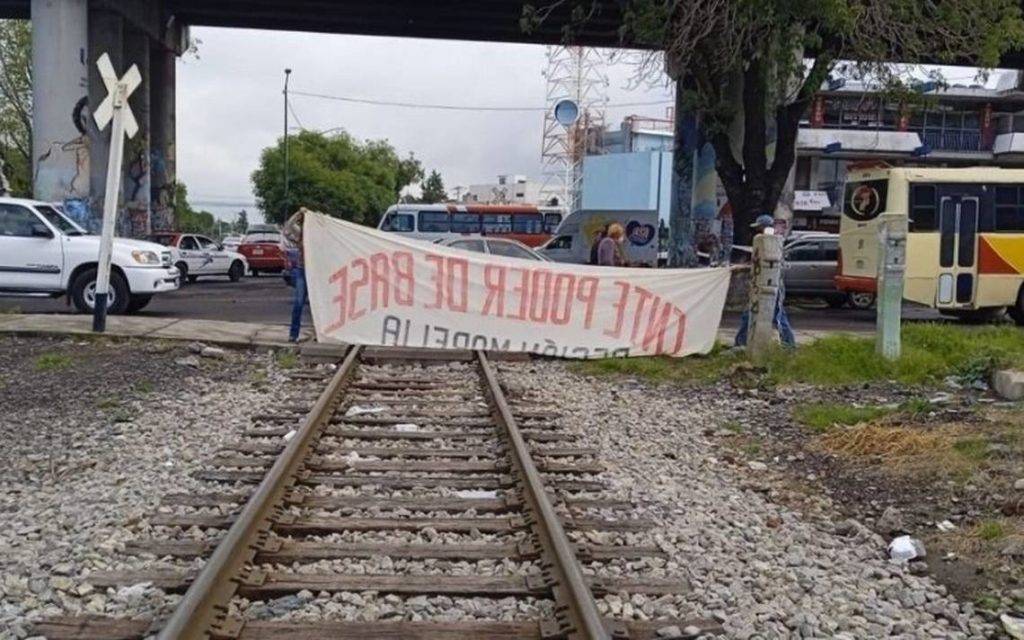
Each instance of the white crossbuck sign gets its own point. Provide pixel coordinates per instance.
(114, 108)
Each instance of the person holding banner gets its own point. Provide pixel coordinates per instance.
(292, 233)
(765, 223)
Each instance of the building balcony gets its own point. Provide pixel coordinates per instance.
(965, 141)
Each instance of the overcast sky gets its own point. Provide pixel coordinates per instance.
(230, 103)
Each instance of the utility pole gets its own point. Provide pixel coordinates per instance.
(287, 74)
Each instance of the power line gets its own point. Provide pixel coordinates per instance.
(454, 107)
(294, 115)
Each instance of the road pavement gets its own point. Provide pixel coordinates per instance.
(267, 300)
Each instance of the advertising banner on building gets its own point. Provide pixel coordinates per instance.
(375, 288)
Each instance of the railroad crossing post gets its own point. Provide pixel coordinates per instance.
(764, 290)
(113, 109)
(892, 265)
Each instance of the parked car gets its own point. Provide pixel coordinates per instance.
(810, 266)
(196, 256)
(231, 242)
(42, 252)
(264, 249)
(494, 246)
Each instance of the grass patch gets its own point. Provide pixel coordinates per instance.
(822, 416)
(991, 530)
(10, 311)
(145, 387)
(53, 362)
(975, 449)
(931, 351)
(108, 403)
(287, 359)
(733, 426)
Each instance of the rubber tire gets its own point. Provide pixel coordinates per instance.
(1017, 310)
(254, 273)
(236, 271)
(182, 274)
(138, 302)
(853, 305)
(192, 279)
(118, 285)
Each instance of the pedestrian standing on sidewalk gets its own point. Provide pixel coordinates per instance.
(292, 233)
(609, 251)
(766, 224)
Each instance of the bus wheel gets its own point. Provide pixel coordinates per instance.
(1017, 311)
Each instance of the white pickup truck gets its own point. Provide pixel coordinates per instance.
(42, 252)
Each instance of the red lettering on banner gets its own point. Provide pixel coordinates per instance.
(494, 283)
(540, 290)
(403, 277)
(561, 298)
(357, 284)
(438, 279)
(657, 325)
(458, 280)
(620, 309)
(380, 281)
(523, 289)
(643, 296)
(586, 292)
(680, 330)
(340, 279)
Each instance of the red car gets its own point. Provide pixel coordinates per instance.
(264, 250)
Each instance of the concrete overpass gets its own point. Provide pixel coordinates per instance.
(70, 155)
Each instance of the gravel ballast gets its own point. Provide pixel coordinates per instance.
(763, 569)
(95, 433)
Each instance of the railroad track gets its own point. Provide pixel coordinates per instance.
(393, 450)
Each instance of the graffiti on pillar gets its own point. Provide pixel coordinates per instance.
(161, 192)
(53, 178)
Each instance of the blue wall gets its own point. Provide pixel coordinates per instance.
(628, 182)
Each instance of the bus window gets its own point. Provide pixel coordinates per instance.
(923, 208)
(465, 223)
(497, 223)
(398, 222)
(527, 223)
(1009, 209)
(434, 222)
(551, 222)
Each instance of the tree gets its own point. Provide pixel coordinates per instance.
(334, 174)
(187, 219)
(758, 64)
(241, 222)
(432, 189)
(16, 104)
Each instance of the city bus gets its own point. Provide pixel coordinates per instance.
(528, 224)
(965, 246)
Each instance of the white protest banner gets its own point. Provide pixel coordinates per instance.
(375, 288)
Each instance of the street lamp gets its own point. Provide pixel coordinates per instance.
(287, 74)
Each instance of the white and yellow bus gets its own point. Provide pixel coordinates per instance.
(965, 247)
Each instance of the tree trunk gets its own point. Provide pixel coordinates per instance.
(682, 249)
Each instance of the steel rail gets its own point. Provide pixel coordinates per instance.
(204, 606)
(572, 594)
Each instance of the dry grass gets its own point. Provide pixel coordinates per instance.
(947, 449)
(988, 536)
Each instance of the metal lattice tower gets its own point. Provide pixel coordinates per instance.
(574, 73)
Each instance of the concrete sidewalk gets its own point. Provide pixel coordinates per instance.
(225, 332)
(213, 331)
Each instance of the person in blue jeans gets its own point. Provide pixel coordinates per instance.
(296, 261)
(780, 320)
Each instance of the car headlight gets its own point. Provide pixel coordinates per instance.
(146, 257)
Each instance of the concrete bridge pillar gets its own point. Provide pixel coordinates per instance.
(135, 179)
(60, 114)
(162, 138)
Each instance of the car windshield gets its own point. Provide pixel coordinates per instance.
(55, 218)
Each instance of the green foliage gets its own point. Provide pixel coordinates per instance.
(187, 219)
(990, 530)
(973, 449)
(931, 351)
(822, 416)
(53, 362)
(334, 174)
(16, 105)
(287, 359)
(433, 189)
(241, 223)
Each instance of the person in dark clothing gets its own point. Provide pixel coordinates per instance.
(598, 237)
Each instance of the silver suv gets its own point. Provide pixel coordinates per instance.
(811, 262)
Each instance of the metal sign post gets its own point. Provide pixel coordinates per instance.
(114, 108)
(892, 265)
